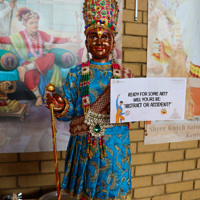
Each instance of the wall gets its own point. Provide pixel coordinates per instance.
(159, 172)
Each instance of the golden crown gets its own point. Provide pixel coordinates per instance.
(100, 13)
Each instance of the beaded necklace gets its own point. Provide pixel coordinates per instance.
(30, 43)
(97, 122)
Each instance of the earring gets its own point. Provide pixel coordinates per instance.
(88, 56)
(113, 56)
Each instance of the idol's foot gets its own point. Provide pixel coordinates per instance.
(39, 101)
(22, 72)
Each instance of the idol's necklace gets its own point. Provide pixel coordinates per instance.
(97, 122)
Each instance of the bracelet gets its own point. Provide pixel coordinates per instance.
(64, 112)
(58, 105)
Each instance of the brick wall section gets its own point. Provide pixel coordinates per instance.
(159, 172)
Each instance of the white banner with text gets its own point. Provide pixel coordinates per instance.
(143, 99)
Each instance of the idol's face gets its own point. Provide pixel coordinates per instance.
(32, 26)
(100, 43)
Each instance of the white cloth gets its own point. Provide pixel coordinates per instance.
(5, 17)
(5, 11)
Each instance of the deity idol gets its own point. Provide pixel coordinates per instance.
(97, 164)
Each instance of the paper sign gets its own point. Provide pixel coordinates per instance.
(147, 99)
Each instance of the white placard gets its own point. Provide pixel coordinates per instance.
(147, 99)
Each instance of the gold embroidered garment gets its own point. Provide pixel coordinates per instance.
(107, 178)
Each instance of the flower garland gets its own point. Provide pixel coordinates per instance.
(30, 43)
(97, 122)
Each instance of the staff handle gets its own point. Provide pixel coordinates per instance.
(51, 88)
(54, 131)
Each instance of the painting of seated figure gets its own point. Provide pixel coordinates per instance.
(40, 42)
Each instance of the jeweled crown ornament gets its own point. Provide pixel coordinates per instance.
(100, 14)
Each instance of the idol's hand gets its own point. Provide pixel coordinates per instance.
(58, 102)
(75, 39)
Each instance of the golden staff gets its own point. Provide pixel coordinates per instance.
(51, 88)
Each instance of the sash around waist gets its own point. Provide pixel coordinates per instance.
(78, 127)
